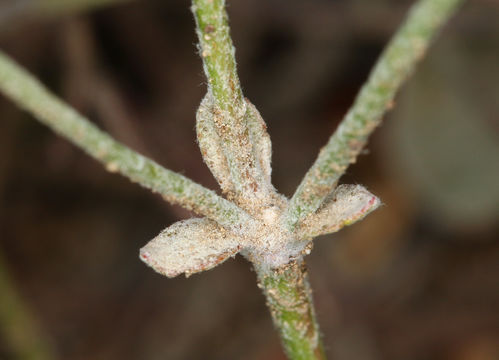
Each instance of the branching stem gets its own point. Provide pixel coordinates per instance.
(286, 288)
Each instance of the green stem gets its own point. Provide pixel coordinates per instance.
(398, 60)
(289, 299)
(22, 88)
(218, 54)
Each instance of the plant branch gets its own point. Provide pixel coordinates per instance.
(396, 63)
(218, 54)
(23, 89)
(289, 299)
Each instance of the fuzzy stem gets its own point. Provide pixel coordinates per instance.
(396, 63)
(23, 89)
(289, 300)
(218, 54)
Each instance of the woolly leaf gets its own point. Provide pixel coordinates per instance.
(346, 205)
(238, 157)
(211, 145)
(262, 146)
(189, 246)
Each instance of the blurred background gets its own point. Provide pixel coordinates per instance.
(417, 279)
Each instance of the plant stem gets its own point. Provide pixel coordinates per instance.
(289, 299)
(22, 88)
(396, 63)
(218, 54)
(286, 289)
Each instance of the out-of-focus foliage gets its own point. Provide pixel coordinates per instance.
(446, 131)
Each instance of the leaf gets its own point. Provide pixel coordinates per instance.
(240, 159)
(262, 146)
(211, 145)
(346, 205)
(189, 246)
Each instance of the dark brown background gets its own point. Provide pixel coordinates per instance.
(418, 279)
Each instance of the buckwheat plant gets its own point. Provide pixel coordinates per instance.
(252, 219)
